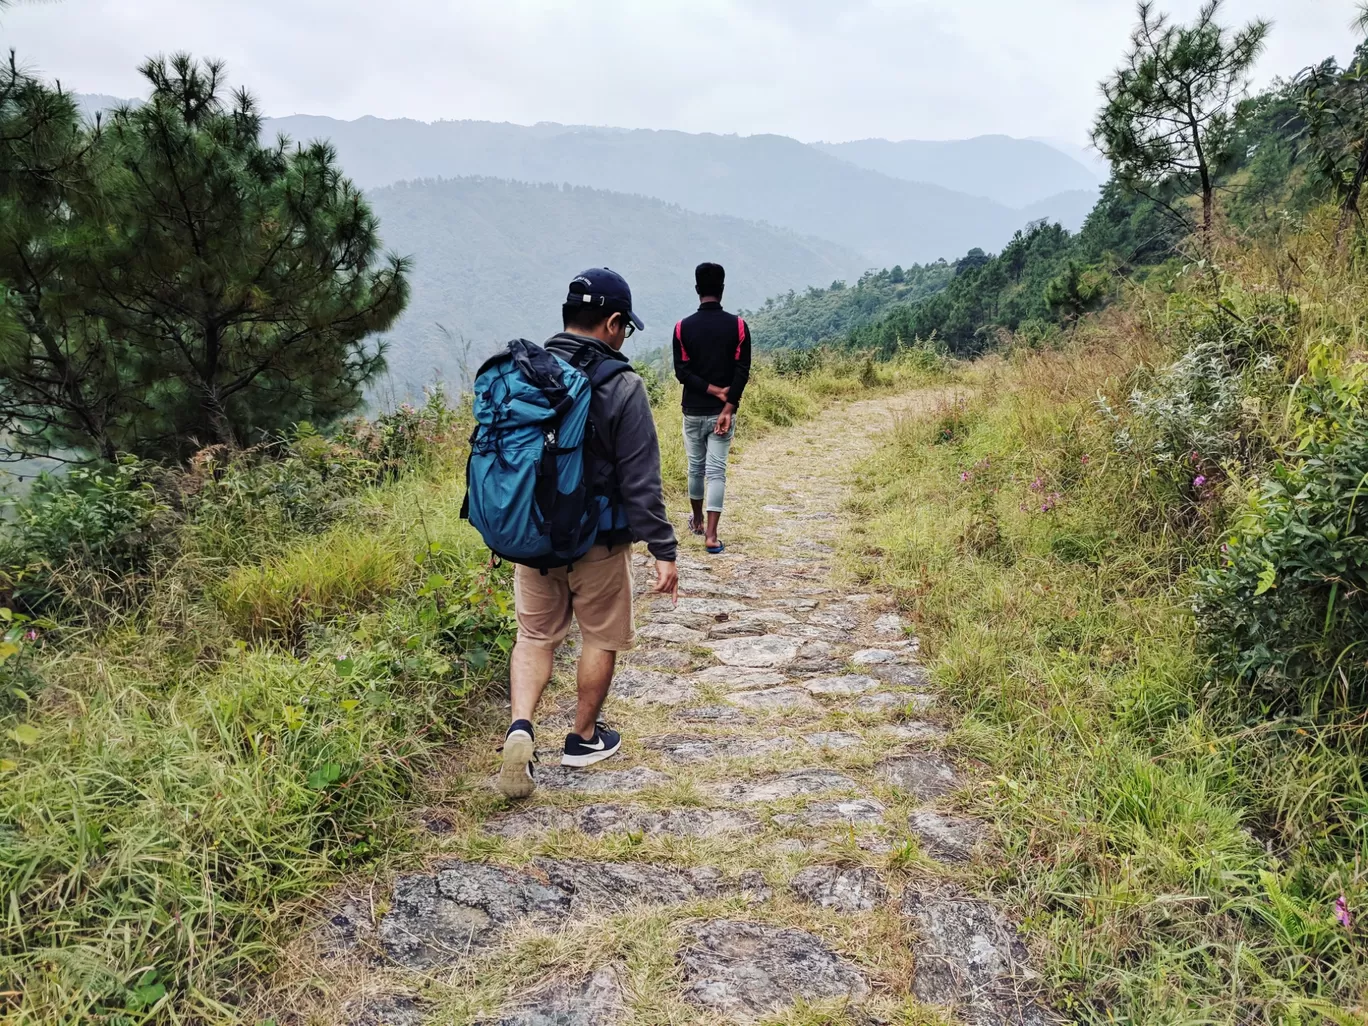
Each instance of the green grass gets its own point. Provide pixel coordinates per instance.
(183, 780)
(1170, 862)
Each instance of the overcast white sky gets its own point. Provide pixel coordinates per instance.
(813, 69)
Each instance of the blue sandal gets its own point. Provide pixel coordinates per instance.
(715, 550)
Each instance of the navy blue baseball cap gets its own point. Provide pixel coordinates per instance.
(600, 286)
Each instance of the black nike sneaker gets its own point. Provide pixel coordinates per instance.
(580, 753)
(519, 752)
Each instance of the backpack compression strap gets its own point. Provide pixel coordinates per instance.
(679, 337)
(740, 335)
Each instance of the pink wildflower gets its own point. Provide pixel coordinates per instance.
(31, 636)
(1086, 459)
(964, 476)
(1342, 913)
(1198, 481)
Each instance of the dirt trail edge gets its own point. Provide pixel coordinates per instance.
(777, 842)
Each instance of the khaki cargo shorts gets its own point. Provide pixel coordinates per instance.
(597, 592)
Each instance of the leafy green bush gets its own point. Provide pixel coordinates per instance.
(101, 520)
(1287, 612)
(797, 363)
(406, 436)
(654, 382)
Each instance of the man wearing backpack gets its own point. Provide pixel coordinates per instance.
(622, 463)
(712, 358)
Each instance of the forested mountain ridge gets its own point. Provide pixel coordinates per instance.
(1014, 172)
(817, 316)
(492, 259)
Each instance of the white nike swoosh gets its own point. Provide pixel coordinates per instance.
(595, 747)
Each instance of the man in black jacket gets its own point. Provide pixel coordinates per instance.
(597, 591)
(712, 357)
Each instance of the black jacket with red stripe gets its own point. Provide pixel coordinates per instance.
(711, 347)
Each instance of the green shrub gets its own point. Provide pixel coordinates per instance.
(797, 363)
(100, 521)
(654, 382)
(1287, 612)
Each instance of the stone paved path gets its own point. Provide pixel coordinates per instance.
(777, 842)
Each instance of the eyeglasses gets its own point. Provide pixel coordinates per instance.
(629, 328)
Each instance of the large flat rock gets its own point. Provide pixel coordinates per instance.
(607, 819)
(699, 748)
(438, 918)
(770, 699)
(596, 1000)
(850, 684)
(748, 971)
(969, 957)
(784, 785)
(722, 589)
(600, 888)
(890, 625)
(672, 633)
(852, 812)
(769, 650)
(833, 739)
(900, 674)
(924, 776)
(831, 618)
(652, 687)
(738, 678)
(843, 888)
(599, 781)
(945, 837)
(712, 606)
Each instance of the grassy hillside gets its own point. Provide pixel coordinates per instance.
(761, 178)
(1014, 172)
(1138, 563)
(492, 260)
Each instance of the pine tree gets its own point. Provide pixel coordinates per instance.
(1168, 108)
(201, 288)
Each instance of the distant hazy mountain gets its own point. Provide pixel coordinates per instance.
(760, 178)
(1085, 155)
(1014, 172)
(91, 104)
(492, 260)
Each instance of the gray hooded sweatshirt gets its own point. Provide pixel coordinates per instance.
(631, 448)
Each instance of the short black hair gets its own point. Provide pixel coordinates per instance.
(709, 279)
(583, 317)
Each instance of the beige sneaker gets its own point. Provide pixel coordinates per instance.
(515, 776)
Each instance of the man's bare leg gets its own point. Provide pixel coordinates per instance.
(529, 671)
(697, 505)
(593, 680)
(710, 534)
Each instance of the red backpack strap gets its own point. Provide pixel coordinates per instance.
(740, 335)
(679, 337)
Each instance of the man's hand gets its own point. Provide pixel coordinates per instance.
(724, 420)
(718, 392)
(667, 581)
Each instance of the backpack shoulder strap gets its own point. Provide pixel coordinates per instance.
(679, 337)
(740, 335)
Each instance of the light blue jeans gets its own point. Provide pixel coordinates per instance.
(707, 452)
